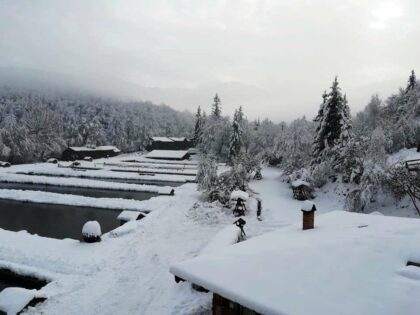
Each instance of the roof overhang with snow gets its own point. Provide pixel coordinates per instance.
(349, 264)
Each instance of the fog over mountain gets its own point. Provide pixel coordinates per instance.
(268, 56)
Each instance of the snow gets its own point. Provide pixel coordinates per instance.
(72, 200)
(308, 206)
(47, 169)
(227, 236)
(77, 182)
(161, 139)
(13, 300)
(136, 256)
(270, 274)
(168, 154)
(168, 139)
(239, 194)
(98, 148)
(403, 155)
(91, 228)
(300, 182)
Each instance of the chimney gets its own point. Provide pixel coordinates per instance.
(308, 210)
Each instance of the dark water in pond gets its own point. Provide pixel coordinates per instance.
(11, 279)
(88, 192)
(56, 221)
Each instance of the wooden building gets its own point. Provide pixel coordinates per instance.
(168, 143)
(80, 153)
(174, 155)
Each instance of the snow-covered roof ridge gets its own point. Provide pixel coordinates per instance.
(359, 261)
(172, 154)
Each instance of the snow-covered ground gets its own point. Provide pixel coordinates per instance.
(128, 272)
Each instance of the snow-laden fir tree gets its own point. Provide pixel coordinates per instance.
(216, 110)
(333, 129)
(235, 139)
(198, 129)
(412, 82)
(207, 173)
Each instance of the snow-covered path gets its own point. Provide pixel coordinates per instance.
(279, 207)
(133, 277)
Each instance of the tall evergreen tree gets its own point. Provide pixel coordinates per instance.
(235, 140)
(333, 124)
(240, 114)
(412, 82)
(198, 130)
(216, 111)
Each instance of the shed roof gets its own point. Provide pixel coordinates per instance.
(349, 264)
(169, 154)
(168, 139)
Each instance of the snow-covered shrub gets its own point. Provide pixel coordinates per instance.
(402, 182)
(302, 174)
(91, 232)
(320, 174)
(207, 173)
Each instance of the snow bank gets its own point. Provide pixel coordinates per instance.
(91, 228)
(239, 194)
(227, 236)
(72, 200)
(85, 183)
(14, 300)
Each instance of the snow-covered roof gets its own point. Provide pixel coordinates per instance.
(168, 139)
(239, 194)
(169, 154)
(162, 139)
(99, 148)
(300, 182)
(349, 264)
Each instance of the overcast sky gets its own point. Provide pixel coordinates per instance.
(274, 57)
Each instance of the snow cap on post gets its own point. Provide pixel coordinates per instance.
(308, 206)
(91, 232)
(308, 210)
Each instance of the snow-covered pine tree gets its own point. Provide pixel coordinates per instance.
(198, 130)
(216, 111)
(333, 129)
(235, 140)
(412, 82)
(240, 115)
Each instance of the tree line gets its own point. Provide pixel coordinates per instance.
(333, 146)
(35, 126)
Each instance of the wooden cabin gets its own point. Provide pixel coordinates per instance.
(168, 143)
(80, 153)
